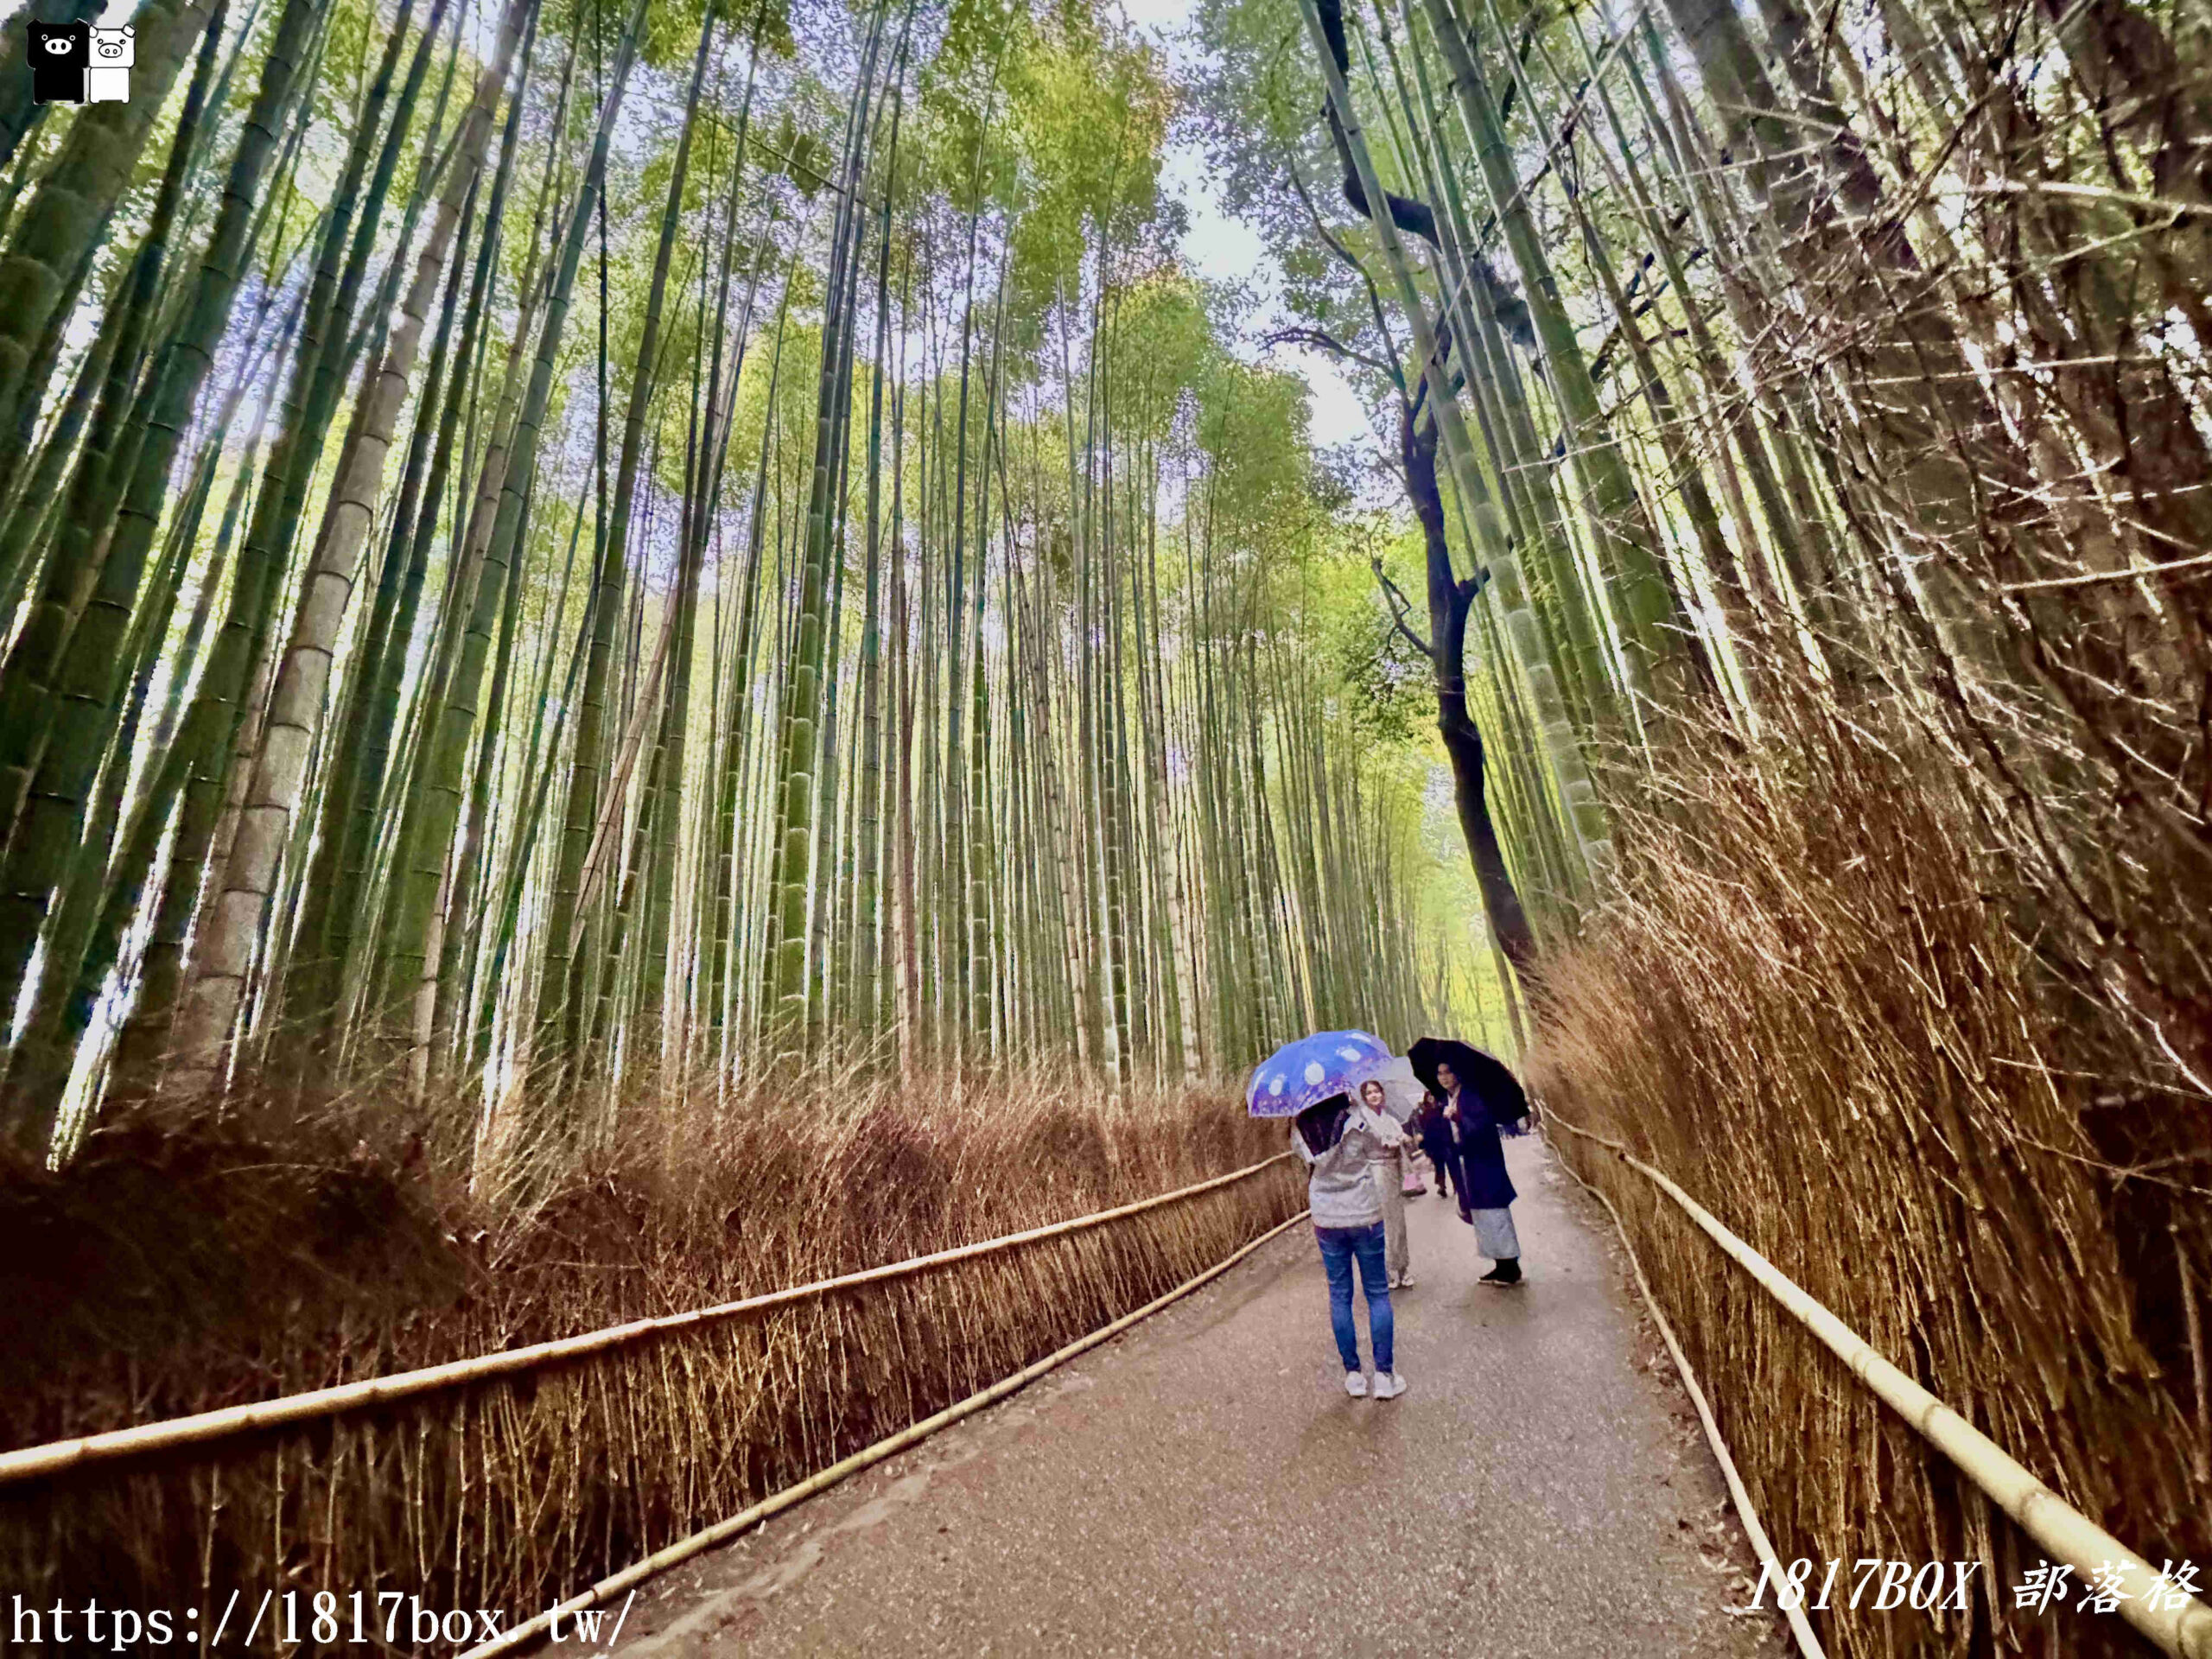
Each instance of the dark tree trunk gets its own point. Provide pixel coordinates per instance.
(1449, 602)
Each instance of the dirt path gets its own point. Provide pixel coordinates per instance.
(1204, 1485)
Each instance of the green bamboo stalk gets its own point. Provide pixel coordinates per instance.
(1661, 663)
(1457, 451)
(184, 365)
(801, 735)
(280, 774)
(70, 211)
(438, 791)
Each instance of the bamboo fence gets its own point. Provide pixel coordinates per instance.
(722, 1532)
(496, 1482)
(2176, 1622)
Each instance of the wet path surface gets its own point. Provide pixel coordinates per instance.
(1204, 1485)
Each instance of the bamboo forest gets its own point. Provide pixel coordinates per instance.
(653, 651)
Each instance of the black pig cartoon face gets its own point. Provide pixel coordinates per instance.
(59, 45)
(60, 53)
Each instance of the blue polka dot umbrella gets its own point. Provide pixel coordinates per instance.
(1311, 1069)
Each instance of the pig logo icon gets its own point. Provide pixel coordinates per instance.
(107, 78)
(61, 53)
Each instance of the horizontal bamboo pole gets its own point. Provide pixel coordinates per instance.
(699, 1542)
(2177, 1622)
(35, 1462)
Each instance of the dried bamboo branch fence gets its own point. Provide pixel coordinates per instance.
(2178, 1623)
(498, 1482)
(722, 1531)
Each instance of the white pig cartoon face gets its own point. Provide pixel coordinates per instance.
(108, 79)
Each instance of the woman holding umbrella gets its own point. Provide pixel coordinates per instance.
(1341, 1141)
(1480, 1097)
(1391, 1091)
(1391, 1179)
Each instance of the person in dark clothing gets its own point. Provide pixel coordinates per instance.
(1476, 1107)
(1435, 1133)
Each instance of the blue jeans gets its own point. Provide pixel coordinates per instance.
(1340, 1247)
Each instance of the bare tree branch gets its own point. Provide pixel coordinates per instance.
(1399, 605)
(1373, 294)
(1322, 340)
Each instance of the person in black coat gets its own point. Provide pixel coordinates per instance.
(1476, 1106)
(1436, 1142)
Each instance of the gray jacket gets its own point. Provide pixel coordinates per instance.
(1341, 1189)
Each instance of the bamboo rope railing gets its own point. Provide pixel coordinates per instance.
(36, 1462)
(2176, 1622)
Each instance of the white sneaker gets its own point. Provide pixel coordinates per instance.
(1356, 1384)
(1389, 1385)
(1405, 1281)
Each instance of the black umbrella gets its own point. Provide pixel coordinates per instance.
(1484, 1076)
